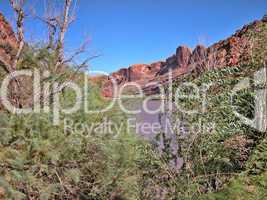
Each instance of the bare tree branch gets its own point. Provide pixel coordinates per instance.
(15, 84)
(63, 28)
(79, 51)
(20, 19)
(51, 23)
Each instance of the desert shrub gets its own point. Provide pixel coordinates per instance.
(41, 161)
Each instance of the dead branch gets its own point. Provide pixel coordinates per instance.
(63, 28)
(15, 84)
(79, 51)
(58, 25)
(52, 29)
(20, 31)
(51, 20)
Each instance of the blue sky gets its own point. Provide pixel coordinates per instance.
(126, 32)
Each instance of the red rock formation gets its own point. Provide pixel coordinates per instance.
(183, 55)
(225, 53)
(8, 41)
(8, 45)
(199, 54)
(140, 73)
(229, 52)
(179, 60)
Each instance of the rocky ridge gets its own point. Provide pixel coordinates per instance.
(226, 53)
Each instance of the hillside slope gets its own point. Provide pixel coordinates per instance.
(225, 158)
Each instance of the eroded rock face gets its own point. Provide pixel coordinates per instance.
(8, 41)
(140, 73)
(179, 60)
(183, 54)
(199, 54)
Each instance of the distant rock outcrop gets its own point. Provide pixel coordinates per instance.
(179, 60)
(225, 53)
